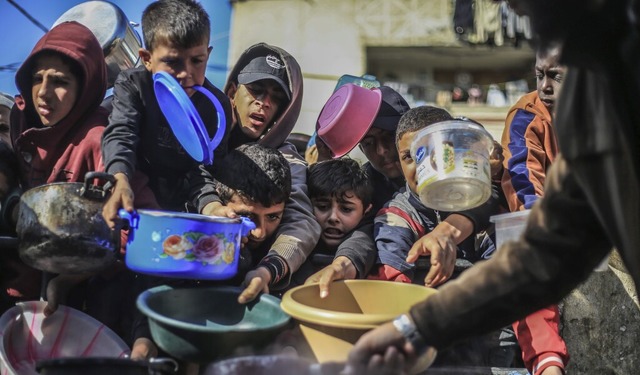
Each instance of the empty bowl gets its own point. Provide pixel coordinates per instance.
(28, 337)
(347, 116)
(332, 325)
(204, 324)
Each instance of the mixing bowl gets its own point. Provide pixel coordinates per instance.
(28, 337)
(333, 324)
(207, 323)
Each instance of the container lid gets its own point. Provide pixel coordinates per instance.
(184, 119)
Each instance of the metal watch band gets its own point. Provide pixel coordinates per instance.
(405, 326)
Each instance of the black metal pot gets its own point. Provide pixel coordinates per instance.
(106, 366)
(61, 229)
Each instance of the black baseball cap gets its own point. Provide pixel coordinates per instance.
(265, 67)
(392, 107)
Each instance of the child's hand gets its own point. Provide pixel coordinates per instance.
(58, 289)
(256, 282)
(218, 209)
(143, 348)
(311, 154)
(440, 245)
(121, 197)
(341, 268)
(495, 160)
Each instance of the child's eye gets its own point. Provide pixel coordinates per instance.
(346, 209)
(406, 157)
(197, 61)
(273, 217)
(321, 206)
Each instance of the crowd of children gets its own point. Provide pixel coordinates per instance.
(329, 221)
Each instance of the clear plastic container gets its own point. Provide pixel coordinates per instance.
(452, 165)
(509, 226)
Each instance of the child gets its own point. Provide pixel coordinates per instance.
(405, 225)
(341, 195)
(6, 103)
(265, 89)
(176, 37)
(255, 181)
(56, 125)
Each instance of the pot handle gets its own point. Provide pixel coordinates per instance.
(95, 192)
(163, 366)
(133, 220)
(222, 120)
(247, 226)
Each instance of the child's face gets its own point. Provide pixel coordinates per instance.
(266, 219)
(256, 105)
(338, 216)
(54, 89)
(379, 148)
(406, 161)
(187, 65)
(5, 134)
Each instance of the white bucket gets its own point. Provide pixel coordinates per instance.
(452, 165)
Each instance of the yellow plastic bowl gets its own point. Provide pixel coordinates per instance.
(332, 325)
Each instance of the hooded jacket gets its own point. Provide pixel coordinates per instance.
(529, 145)
(67, 150)
(298, 231)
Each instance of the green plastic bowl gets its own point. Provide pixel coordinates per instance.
(206, 324)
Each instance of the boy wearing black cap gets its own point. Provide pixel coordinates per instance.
(265, 90)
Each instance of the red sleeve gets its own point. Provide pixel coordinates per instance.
(388, 273)
(539, 339)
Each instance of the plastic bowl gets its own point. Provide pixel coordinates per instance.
(28, 337)
(332, 325)
(204, 324)
(509, 226)
(347, 116)
(452, 165)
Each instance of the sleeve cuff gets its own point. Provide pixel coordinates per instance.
(120, 167)
(545, 361)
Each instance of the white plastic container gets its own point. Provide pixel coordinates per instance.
(452, 165)
(509, 226)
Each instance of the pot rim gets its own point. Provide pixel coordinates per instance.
(189, 216)
(153, 315)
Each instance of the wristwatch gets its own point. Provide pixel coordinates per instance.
(408, 329)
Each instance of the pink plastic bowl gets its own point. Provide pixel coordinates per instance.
(347, 117)
(27, 337)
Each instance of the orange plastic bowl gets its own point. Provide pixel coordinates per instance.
(332, 325)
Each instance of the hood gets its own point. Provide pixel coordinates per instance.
(278, 132)
(78, 43)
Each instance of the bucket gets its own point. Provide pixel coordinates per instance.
(452, 165)
(509, 226)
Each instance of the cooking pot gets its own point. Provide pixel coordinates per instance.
(106, 366)
(184, 245)
(120, 42)
(61, 229)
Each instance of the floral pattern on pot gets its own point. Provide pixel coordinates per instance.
(198, 247)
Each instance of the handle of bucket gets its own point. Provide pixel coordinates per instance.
(247, 226)
(222, 120)
(133, 220)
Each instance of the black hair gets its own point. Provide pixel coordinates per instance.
(336, 177)
(182, 23)
(9, 164)
(419, 118)
(254, 172)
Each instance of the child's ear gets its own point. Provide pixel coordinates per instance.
(145, 55)
(368, 209)
(231, 92)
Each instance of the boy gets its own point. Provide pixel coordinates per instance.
(265, 90)
(255, 181)
(6, 103)
(403, 224)
(176, 37)
(341, 195)
(530, 147)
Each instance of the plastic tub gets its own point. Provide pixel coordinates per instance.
(452, 165)
(509, 226)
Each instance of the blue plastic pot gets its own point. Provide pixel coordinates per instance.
(183, 245)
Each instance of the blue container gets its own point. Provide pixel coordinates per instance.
(183, 245)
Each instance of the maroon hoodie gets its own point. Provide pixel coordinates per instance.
(66, 151)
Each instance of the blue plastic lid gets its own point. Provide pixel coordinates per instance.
(184, 119)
